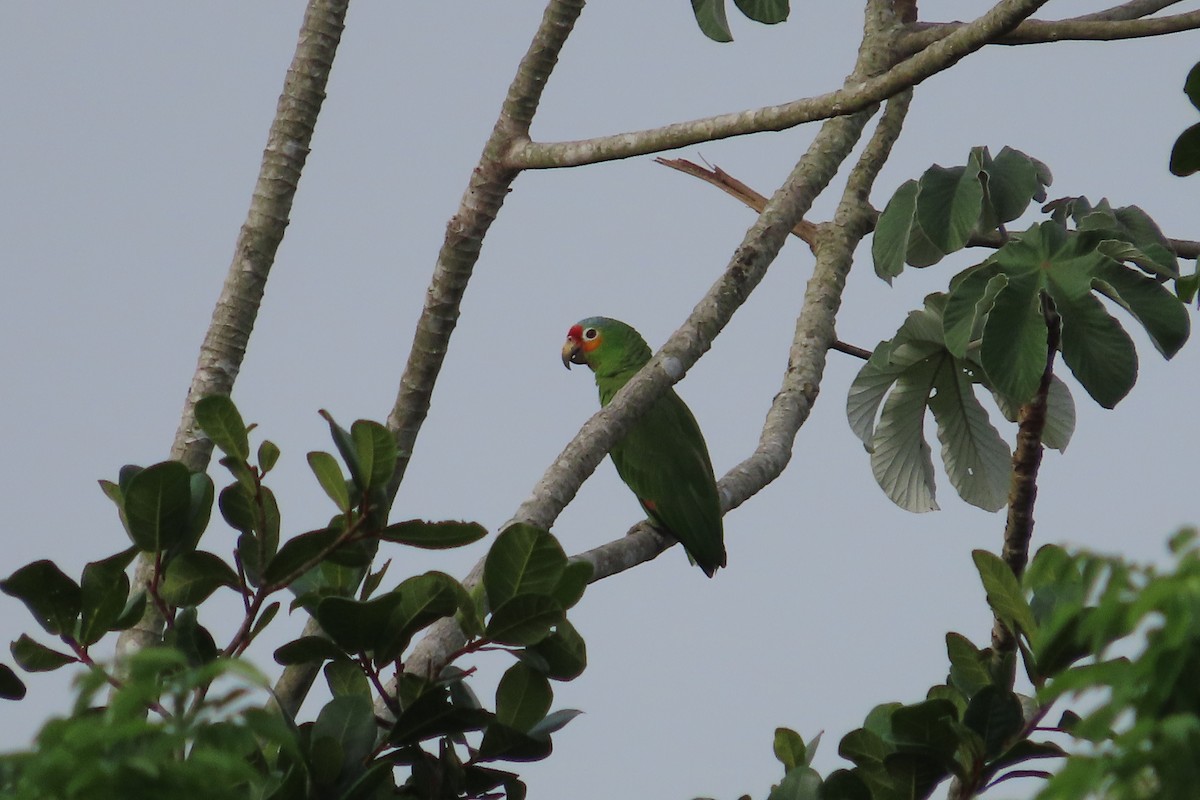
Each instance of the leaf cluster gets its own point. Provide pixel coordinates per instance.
(442, 742)
(1003, 322)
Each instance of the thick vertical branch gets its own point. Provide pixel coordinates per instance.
(1027, 459)
(486, 191)
(224, 345)
(488, 187)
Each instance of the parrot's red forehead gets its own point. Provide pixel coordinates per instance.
(576, 332)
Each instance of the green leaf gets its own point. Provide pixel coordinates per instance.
(350, 721)
(768, 12)
(710, 16)
(376, 451)
(112, 491)
(1023, 750)
(889, 244)
(191, 577)
(11, 687)
(135, 609)
(423, 600)
(1004, 593)
(307, 649)
(978, 462)
(915, 776)
(357, 627)
(191, 638)
(221, 422)
(564, 652)
(1098, 351)
(329, 475)
(789, 749)
(372, 580)
(433, 535)
(949, 202)
(431, 714)
(968, 665)
(1013, 180)
(502, 742)
(104, 590)
(995, 714)
(157, 506)
(571, 585)
(925, 729)
(52, 598)
(552, 722)
(522, 560)
(346, 448)
(914, 371)
(972, 295)
(1185, 153)
(344, 677)
(268, 456)
(297, 552)
(1060, 414)
(901, 460)
(522, 698)
(1161, 313)
(1014, 348)
(32, 656)
(524, 620)
(844, 784)
(236, 504)
(199, 510)
(801, 783)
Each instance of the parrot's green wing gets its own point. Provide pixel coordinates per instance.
(664, 460)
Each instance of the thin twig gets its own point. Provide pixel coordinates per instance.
(732, 186)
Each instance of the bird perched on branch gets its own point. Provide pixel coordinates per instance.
(662, 458)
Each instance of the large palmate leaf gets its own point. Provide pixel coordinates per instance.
(996, 312)
(930, 218)
(907, 375)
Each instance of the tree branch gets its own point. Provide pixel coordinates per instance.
(1130, 10)
(806, 360)
(1036, 31)
(224, 345)
(762, 242)
(489, 185)
(485, 194)
(853, 97)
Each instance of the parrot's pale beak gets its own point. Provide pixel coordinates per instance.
(571, 353)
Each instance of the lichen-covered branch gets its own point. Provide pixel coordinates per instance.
(485, 193)
(1037, 31)
(851, 98)
(488, 186)
(224, 344)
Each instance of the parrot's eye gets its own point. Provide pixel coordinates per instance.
(590, 334)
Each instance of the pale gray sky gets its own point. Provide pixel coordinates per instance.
(132, 134)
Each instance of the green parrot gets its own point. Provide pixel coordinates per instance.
(662, 458)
